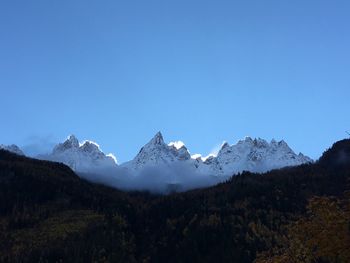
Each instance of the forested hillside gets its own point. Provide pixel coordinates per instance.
(299, 214)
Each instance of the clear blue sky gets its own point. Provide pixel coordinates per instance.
(199, 71)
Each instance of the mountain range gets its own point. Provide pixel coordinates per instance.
(254, 155)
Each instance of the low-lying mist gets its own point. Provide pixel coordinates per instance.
(161, 179)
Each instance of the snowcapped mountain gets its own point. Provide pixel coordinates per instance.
(12, 148)
(162, 167)
(255, 155)
(157, 153)
(81, 157)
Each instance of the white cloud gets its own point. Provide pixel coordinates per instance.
(177, 144)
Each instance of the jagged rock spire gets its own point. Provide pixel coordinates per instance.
(157, 139)
(72, 140)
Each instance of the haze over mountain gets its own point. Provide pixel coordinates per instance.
(160, 166)
(84, 157)
(12, 148)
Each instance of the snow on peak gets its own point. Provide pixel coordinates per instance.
(157, 139)
(255, 155)
(84, 157)
(73, 140)
(247, 139)
(12, 148)
(224, 146)
(157, 153)
(69, 143)
(90, 147)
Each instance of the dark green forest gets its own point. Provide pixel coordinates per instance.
(296, 214)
